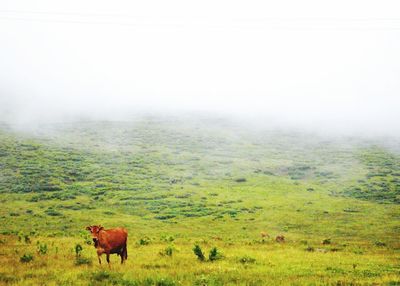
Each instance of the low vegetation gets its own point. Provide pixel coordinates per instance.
(194, 196)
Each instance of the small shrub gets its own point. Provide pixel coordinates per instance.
(168, 251)
(86, 238)
(88, 241)
(310, 249)
(247, 259)
(102, 275)
(203, 280)
(146, 282)
(52, 212)
(27, 239)
(358, 251)
(82, 261)
(380, 243)
(326, 241)
(78, 250)
(24, 237)
(164, 217)
(41, 248)
(335, 270)
(198, 252)
(350, 210)
(8, 279)
(214, 254)
(144, 241)
(168, 238)
(26, 258)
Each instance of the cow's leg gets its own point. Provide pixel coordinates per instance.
(125, 252)
(108, 258)
(99, 253)
(121, 253)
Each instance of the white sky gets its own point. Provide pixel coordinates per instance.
(318, 64)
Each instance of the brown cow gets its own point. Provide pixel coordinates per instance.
(109, 241)
(280, 238)
(264, 235)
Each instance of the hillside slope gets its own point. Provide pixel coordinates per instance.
(201, 179)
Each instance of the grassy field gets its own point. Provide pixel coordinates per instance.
(179, 182)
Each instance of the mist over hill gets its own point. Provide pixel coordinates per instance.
(216, 181)
(192, 149)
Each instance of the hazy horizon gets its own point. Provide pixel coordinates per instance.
(330, 68)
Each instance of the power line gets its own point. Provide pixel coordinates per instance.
(315, 19)
(67, 21)
(80, 14)
(300, 23)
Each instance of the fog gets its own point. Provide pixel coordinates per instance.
(331, 66)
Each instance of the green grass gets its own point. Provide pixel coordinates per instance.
(177, 183)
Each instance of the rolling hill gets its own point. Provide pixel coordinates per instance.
(178, 181)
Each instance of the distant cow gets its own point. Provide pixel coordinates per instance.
(280, 238)
(264, 235)
(109, 241)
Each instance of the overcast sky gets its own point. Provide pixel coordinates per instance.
(315, 64)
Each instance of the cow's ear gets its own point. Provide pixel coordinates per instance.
(88, 228)
(100, 227)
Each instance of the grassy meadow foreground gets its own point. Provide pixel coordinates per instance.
(179, 182)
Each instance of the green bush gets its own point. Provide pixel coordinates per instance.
(326, 241)
(168, 238)
(168, 251)
(26, 258)
(82, 261)
(41, 248)
(52, 212)
(198, 252)
(380, 243)
(144, 241)
(24, 237)
(164, 217)
(214, 254)
(164, 282)
(102, 276)
(78, 250)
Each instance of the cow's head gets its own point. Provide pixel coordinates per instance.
(94, 231)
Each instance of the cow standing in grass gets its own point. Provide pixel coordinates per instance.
(109, 241)
(264, 235)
